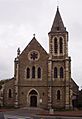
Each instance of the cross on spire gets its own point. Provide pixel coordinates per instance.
(57, 3)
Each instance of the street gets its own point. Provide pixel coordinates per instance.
(38, 117)
(36, 113)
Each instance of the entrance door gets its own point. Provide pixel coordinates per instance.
(33, 101)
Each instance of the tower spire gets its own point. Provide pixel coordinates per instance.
(58, 25)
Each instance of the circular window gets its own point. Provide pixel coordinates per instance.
(33, 55)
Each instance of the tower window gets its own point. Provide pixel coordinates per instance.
(55, 46)
(33, 72)
(28, 73)
(61, 72)
(39, 72)
(58, 95)
(55, 72)
(61, 45)
(10, 93)
(57, 28)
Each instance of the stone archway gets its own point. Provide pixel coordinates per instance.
(33, 96)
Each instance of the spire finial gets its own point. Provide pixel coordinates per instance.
(57, 4)
(18, 51)
(34, 35)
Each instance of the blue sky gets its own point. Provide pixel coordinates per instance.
(20, 19)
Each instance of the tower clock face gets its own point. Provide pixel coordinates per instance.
(33, 55)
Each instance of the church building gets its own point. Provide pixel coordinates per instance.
(43, 79)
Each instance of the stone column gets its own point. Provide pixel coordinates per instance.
(68, 78)
(50, 86)
(16, 83)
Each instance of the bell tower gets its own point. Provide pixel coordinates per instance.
(59, 62)
(58, 37)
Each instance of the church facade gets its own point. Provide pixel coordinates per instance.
(43, 79)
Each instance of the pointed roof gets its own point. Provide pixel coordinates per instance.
(34, 41)
(58, 25)
(33, 45)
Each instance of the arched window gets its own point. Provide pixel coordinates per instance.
(61, 72)
(58, 95)
(33, 72)
(55, 72)
(61, 45)
(55, 46)
(39, 72)
(10, 93)
(28, 73)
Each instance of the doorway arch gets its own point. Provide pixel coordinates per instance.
(33, 98)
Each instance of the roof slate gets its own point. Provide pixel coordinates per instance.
(58, 25)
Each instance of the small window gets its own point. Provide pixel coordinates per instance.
(61, 45)
(33, 72)
(57, 28)
(55, 46)
(61, 72)
(28, 73)
(58, 95)
(39, 72)
(55, 72)
(10, 93)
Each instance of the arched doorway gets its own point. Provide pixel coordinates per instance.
(33, 98)
(33, 101)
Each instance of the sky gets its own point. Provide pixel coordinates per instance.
(20, 19)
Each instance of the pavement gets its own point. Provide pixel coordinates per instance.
(1, 115)
(74, 113)
(38, 113)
